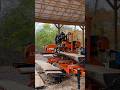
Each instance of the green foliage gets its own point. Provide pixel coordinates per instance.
(46, 35)
(18, 27)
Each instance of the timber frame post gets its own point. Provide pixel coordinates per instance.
(58, 26)
(115, 7)
(83, 34)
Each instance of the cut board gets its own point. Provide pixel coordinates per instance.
(46, 66)
(73, 56)
(38, 80)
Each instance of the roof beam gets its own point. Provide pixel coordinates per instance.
(58, 22)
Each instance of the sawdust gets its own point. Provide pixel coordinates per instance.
(68, 84)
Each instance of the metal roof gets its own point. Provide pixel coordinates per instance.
(60, 11)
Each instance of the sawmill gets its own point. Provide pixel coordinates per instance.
(60, 45)
(60, 65)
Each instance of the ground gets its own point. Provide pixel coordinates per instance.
(67, 84)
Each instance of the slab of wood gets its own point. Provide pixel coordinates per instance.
(73, 55)
(52, 72)
(38, 80)
(40, 57)
(46, 66)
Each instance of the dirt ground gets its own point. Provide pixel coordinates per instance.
(66, 84)
(69, 84)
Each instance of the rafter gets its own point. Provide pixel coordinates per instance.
(110, 3)
(63, 11)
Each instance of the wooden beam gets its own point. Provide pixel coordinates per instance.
(115, 8)
(118, 6)
(58, 22)
(83, 34)
(55, 15)
(109, 2)
(58, 26)
(116, 22)
(46, 2)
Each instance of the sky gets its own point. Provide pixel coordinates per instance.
(40, 25)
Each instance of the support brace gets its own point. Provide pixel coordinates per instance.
(58, 26)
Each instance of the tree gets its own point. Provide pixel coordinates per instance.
(45, 36)
(17, 30)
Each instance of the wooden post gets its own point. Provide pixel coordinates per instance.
(115, 7)
(88, 34)
(58, 26)
(78, 77)
(83, 34)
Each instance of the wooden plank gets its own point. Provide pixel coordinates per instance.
(40, 57)
(58, 22)
(48, 55)
(11, 85)
(46, 66)
(38, 81)
(73, 55)
(52, 72)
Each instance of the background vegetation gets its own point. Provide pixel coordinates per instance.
(45, 35)
(17, 30)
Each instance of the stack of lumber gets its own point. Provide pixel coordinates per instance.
(73, 56)
(47, 68)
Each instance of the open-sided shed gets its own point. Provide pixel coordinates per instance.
(66, 12)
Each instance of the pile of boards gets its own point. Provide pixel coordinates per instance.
(43, 73)
(47, 68)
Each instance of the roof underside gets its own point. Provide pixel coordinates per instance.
(60, 11)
